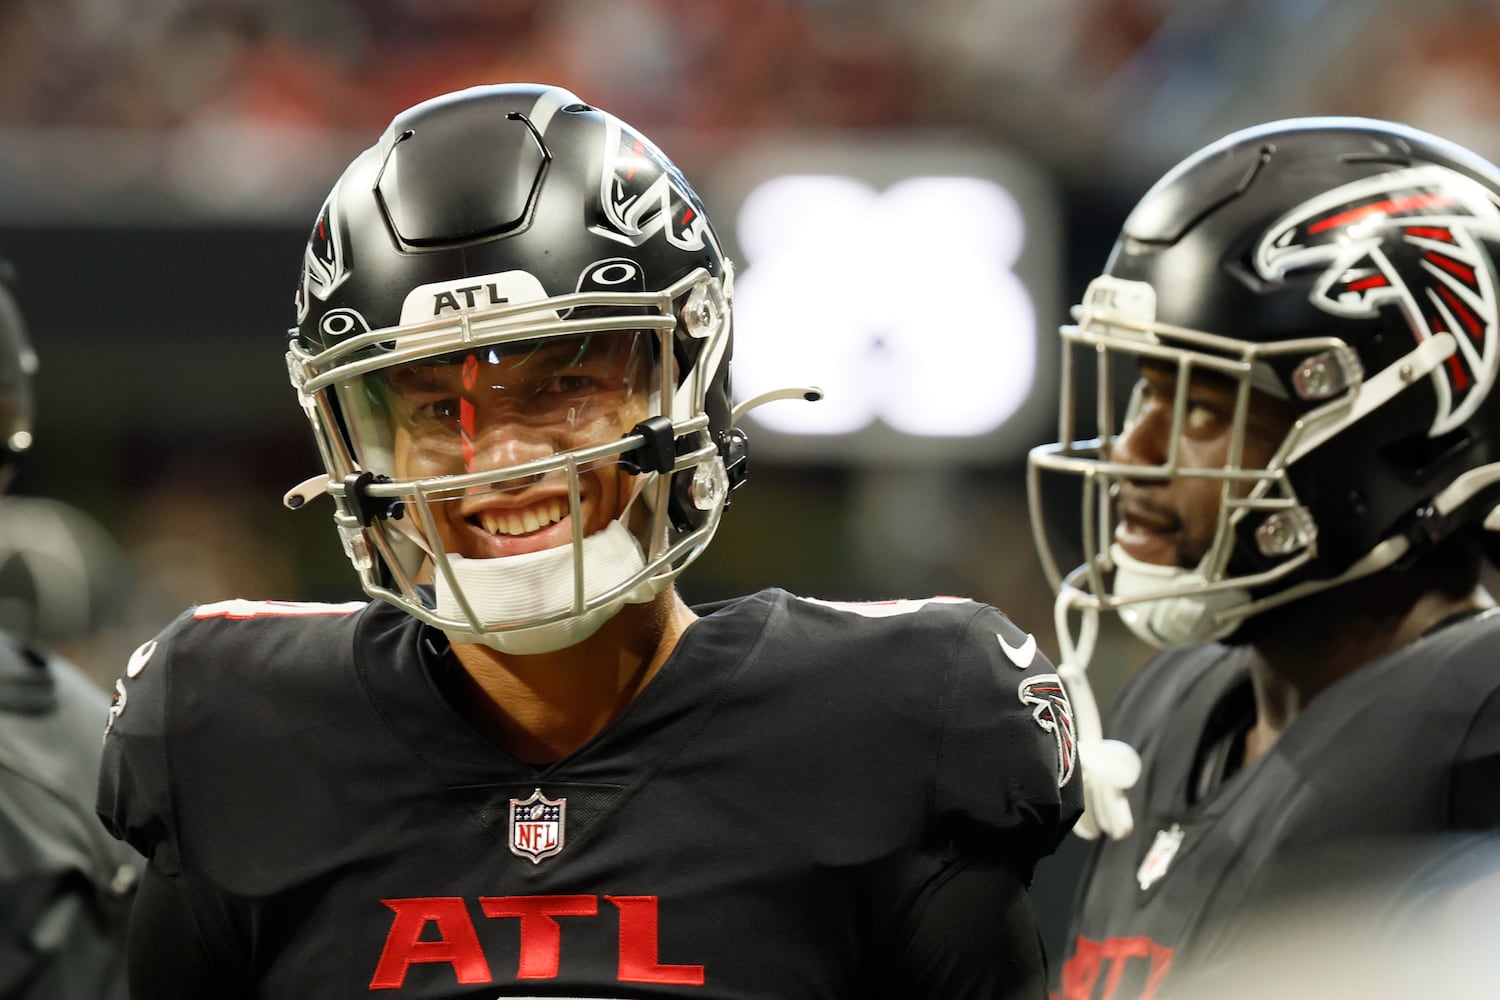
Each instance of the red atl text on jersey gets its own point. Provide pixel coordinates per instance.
(1111, 959)
(457, 943)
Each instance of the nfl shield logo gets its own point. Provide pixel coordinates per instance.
(1159, 858)
(536, 826)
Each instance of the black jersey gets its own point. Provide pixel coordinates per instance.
(747, 827)
(1402, 750)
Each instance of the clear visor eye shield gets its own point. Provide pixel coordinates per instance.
(542, 434)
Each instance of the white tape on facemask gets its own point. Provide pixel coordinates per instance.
(540, 584)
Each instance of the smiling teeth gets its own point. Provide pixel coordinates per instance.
(500, 522)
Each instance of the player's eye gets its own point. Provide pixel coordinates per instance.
(1203, 417)
(569, 383)
(442, 410)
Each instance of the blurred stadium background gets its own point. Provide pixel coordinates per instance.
(939, 180)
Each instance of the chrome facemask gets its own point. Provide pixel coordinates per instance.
(387, 514)
(1116, 331)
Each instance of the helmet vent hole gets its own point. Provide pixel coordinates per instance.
(577, 109)
(1394, 159)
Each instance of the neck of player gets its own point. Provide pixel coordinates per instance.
(545, 706)
(1302, 649)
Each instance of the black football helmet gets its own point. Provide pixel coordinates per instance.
(493, 229)
(1345, 266)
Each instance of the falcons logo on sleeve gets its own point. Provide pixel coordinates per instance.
(1054, 714)
(1409, 238)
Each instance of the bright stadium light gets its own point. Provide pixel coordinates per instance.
(910, 299)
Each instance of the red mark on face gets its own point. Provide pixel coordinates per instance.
(466, 416)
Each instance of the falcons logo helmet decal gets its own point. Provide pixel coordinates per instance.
(643, 194)
(323, 268)
(1054, 714)
(1409, 239)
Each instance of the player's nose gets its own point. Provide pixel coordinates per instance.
(1144, 439)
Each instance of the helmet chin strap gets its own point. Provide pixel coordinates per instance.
(1174, 608)
(1184, 614)
(1110, 767)
(540, 584)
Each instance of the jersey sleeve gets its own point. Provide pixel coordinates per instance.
(969, 934)
(1007, 778)
(185, 942)
(134, 796)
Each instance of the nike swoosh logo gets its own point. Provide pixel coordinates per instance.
(139, 657)
(1021, 655)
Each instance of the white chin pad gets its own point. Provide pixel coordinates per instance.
(540, 584)
(1184, 614)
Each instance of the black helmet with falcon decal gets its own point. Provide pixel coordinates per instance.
(1345, 266)
(515, 234)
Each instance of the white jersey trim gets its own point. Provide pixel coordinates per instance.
(241, 608)
(885, 609)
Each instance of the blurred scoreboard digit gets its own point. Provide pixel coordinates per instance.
(913, 278)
